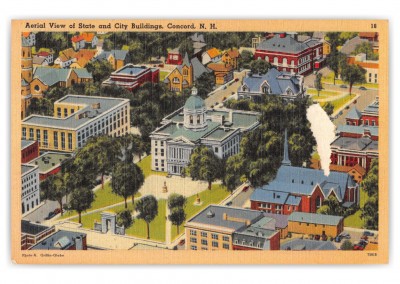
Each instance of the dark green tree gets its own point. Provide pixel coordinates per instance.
(205, 84)
(186, 47)
(352, 74)
(176, 200)
(260, 67)
(318, 83)
(100, 70)
(177, 217)
(124, 218)
(331, 206)
(127, 179)
(335, 61)
(328, 108)
(235, 172)
(346, 245)
(246, 59)
(53, 188)
(81, 199)
(370, 184)
(366, 47)
(147, 207)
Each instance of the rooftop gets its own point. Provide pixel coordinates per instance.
(301, 244)
(25, 168)
(357, 144)
(312, 218)
(131, 69)
(26, 143)
(86, 113)
(61, 240)
(350, 45)
(283, 44)
(353, 114)
(49, 160)
(358, 129)
(31, 228)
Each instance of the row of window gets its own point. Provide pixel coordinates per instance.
(214, 236)
(194, 247)
(29, 191)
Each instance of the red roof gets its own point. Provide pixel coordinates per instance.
(43, 54)
(77, 38)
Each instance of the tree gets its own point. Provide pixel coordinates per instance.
(370, 214)
(370, 183)
(352, 74)
(260, 66)
(186, 47)
(246, 57)
(366, 47)
(52, 188)
(205, 84)
(177, 217)
(147, 207)
(328, 108)
(335, 61)
(298, 144)
(204, 165)
(346, 245)
(318, 83)
(124, 218)
(127, 179)
(99, 155)
(235, 169)
(100, 69)
(82, 198)
(176, 200)
(331, 206)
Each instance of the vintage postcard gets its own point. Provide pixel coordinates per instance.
(200, 141)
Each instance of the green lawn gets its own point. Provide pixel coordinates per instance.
(163, 74)
(337, 104)
(354, 220)
(103, 197)
(145, 165)
(214, 196)
(329, 79)
(323, 94)
(138, 229)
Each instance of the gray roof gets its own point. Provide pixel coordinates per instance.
(38, 60)
(320, 35)
(286, 44)
(213, 215)
(373, 108)
(116, 53)
(194, 136)
(281, 221)
(302, 38)
(65, 239)
(31, 228)
(354, 114)
(357, 144)
(197, 37)
(130, 69)
(83, 73)
(298, 180)
(49, 160)
(313, 218)
(51, 76)
(26, 143)
(26, 168)
(301, 244)
(350, 45)
(278, 82)
(358, 129)
(194, 102)
(24, 83)
(71, 122)
(198, 68)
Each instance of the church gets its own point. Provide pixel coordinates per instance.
(194, 125)
(303, 189)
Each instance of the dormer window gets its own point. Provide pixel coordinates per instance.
(289, 92)
(175, 80)
(191, 119)
(198, 119)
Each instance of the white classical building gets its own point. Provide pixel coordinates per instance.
(30, 194)
(195, 125)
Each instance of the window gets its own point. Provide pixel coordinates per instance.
(216, 149)
(70, 141)
(214, 236)
(45, 138)
(276, 60)
(191, 119)
(225, 238)
(65, 112)
(198, 119)
(38, 135)
(204, 234)
(204, 242)
(24, 133)
(63, 140)
(175, 80)
(318, 202)
(193, 232)
(266, 58)
(193, 240)
(55, 138)
(58, 112)
(193, 247)
(215, 244)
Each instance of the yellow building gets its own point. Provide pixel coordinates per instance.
(315, 224)
(326, 47)
(181, 77)
(231, 57)
(77, 118)
(27, 41)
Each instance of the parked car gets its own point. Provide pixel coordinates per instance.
(345, 235)
(324, 238)
(343, 86)
(229, 203)
(57, 211)
(245, 189)
(51, 215)
(364, 237)
(363, 243)
(317, 237)
(362, 88)
(368, 233)
(182, 242)
(338, 239)
(236, 79)
(358, 247)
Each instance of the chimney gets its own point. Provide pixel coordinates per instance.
(230, 117)
(79, 243)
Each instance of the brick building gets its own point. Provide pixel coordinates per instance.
(288, 54)
(49, 163)
(29, 150)
(62, 240)
(32, 233)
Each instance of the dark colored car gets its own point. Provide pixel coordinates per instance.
(338, 239)
(182, 242)
(345, 235)
(368, 233)
(51, 215)
(343, 86)
(246, 188)
(237, 79)
(57, 211)
(229, 203)
(362, 88)
(364, 237)
(317, 237)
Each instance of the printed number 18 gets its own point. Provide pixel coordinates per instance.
(373, 26)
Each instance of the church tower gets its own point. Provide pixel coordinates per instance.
(26, 72)
(286, 161)
(194, 112)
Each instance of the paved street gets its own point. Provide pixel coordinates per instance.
(242, 200)
(221, 94)
(41, 212)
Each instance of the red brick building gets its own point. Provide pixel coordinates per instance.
(290, 55)
(49, 163)
(32, 233)
(29, 150)
(174, 57)
(132, 77)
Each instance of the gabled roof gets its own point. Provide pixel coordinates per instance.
(213, 52)
(350, 45)
(220, 67)
(77, 38)
(278, 82)
(118, 54)
(83, 73)
(358, 129)
(67, 54)
(51, 76)
(233, 53)
(354, 114)
(198, 68)
(302, 244)
(38, 60)
(282, 44)
(88, 37)
(83, 56)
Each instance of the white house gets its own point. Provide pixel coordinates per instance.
(212, 55)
